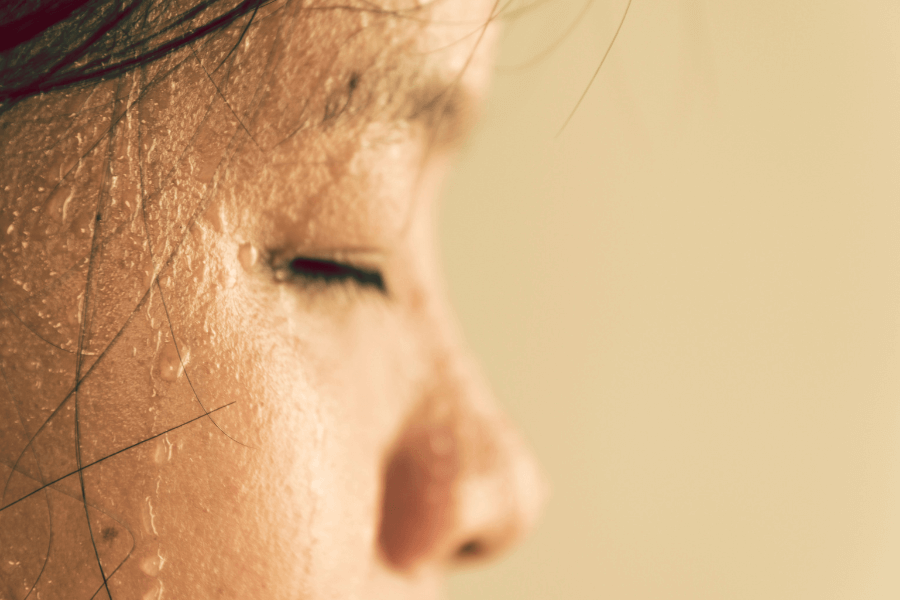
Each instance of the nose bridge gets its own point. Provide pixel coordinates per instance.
(459, 484)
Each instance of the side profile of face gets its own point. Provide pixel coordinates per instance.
(229, 370)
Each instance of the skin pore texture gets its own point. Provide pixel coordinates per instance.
(229, 370)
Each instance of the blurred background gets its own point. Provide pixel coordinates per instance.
(689, 300)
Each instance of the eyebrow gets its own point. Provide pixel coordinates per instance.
(441, 104)
(445, 107)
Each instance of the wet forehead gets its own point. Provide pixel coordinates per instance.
(351, 100)
(289, 69)
(327, 65)
(301, 84)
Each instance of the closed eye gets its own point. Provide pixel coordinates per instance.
(318, 270)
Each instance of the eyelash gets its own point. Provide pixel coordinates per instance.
(330, 272)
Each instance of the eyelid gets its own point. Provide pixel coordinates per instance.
(332, 271)
(339, 267)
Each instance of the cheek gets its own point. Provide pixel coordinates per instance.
(224, 498)
(286, 475)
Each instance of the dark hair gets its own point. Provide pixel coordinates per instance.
(51, 44)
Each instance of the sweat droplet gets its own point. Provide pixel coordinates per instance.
(215, 216)
(57, 206)
(248, 255)
(149, 518)
(163, 452)
(171, 364)
(150, 566)
(73, 312)
(155, 592)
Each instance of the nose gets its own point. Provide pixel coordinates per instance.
(459, 484)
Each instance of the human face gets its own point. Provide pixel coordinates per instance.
(230, 371)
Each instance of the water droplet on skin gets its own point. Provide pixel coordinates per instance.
(159, 453)
(248, 255)
(84, 225)
(155, 592)
(150, 566)
(163, 451)
(227, 277)
(73, 313)
(171, 364)
(58, 204)
(215, 216)
(60, 165)
(149, 518)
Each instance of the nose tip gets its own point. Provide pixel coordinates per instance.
(459, 487)
(499, 500)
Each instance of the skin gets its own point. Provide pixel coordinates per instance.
(186, 415)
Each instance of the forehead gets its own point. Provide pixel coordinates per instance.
(294, 66)
(339, 102)
(297, 84)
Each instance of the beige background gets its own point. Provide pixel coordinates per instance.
(690, 300)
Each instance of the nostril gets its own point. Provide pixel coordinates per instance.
(471, 549)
